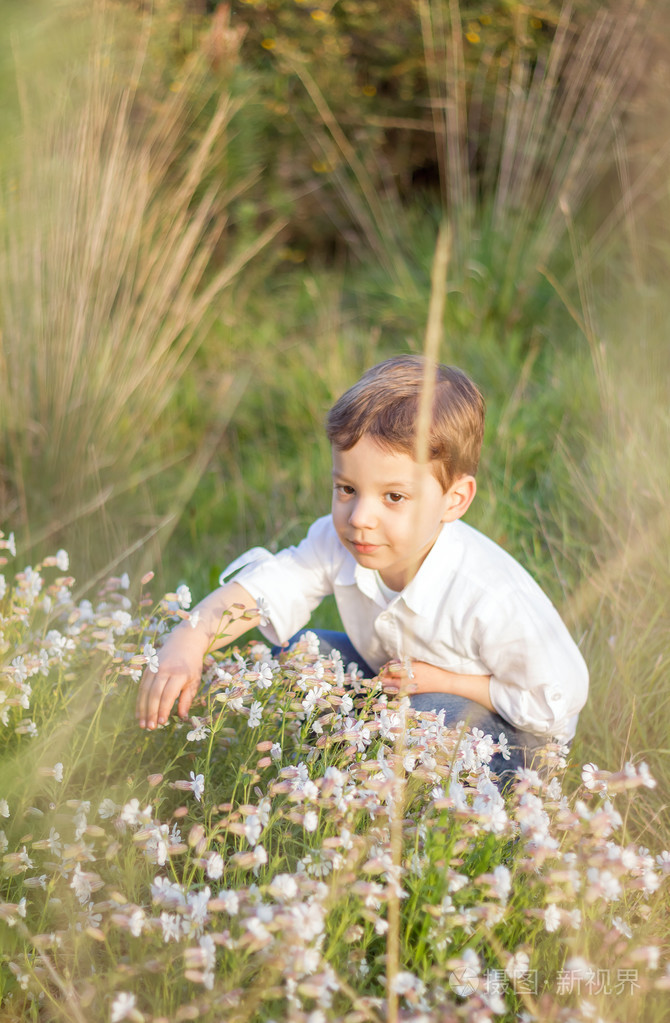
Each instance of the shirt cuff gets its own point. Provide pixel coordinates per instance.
(544, 711)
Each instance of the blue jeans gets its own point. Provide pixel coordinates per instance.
(522, 745)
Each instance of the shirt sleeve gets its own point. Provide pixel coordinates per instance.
(291, 583)
(539, 680)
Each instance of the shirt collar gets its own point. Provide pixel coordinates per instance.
(419, 594)
(352, 574)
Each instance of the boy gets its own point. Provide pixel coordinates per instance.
(427, 601)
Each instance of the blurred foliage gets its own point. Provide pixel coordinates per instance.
(371, 65)
(503, 116)
(370, 72)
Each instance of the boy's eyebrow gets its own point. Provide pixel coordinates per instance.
(391, 485)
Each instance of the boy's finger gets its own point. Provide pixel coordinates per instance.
(163, 694)
(142, 703)
(157, 689)
(152, 682)
(186, 699)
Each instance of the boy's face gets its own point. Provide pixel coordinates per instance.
(388, 510)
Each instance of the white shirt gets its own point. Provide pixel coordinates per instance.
(471, 608)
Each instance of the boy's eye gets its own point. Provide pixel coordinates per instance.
(344, 488)
(395, 498)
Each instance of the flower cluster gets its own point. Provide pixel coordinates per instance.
(249, 865)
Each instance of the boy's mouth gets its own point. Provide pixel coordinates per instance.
(364, 548)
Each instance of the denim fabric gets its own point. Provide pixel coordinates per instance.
(522, 745)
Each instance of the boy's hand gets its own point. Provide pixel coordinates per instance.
(222, 617)
(398, 677)
(179, 673)
(408, 677)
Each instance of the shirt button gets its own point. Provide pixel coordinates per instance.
(384, 616)
(556, 697)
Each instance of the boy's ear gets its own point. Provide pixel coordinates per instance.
(459, 497)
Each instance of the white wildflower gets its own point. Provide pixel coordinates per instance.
(311, 821)
(263, 612)
(255, 714)
(197, 785)
(62, 560)
(156, 847)
(650, 881)
(502, 882)
(257, 929)
(518, 965)
(123, 1007)
(552, 918)
(136, 922)
(167, 893)
(81, 885)
(309, 703)
(151, 655)
(184, 596)
(265, 678)
(589, 780)
(387, 723)
(622, 927)
(264, 809)
(172, 927)
(198, 732)
(645, 777)
(108, 809)
(260, 857)
(53, 844)
(406, 983)
(504, 747)
(231, 902)
(121, 622)
(214, 866)
(20, 671)
(603, 884)
(663, 860)
(252, 828)
(346, 705)
(197, 904)
(283, 887)
(132, 814)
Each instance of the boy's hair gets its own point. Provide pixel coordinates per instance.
(384, 404)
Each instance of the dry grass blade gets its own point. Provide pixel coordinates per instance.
(434, 333)
(443, 45)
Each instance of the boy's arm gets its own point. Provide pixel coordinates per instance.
(426, 678)
(181, 656)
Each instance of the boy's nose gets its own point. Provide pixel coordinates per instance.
(362, 515)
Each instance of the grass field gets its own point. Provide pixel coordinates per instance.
(301, 850)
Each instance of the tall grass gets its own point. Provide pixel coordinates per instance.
(109, 225)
